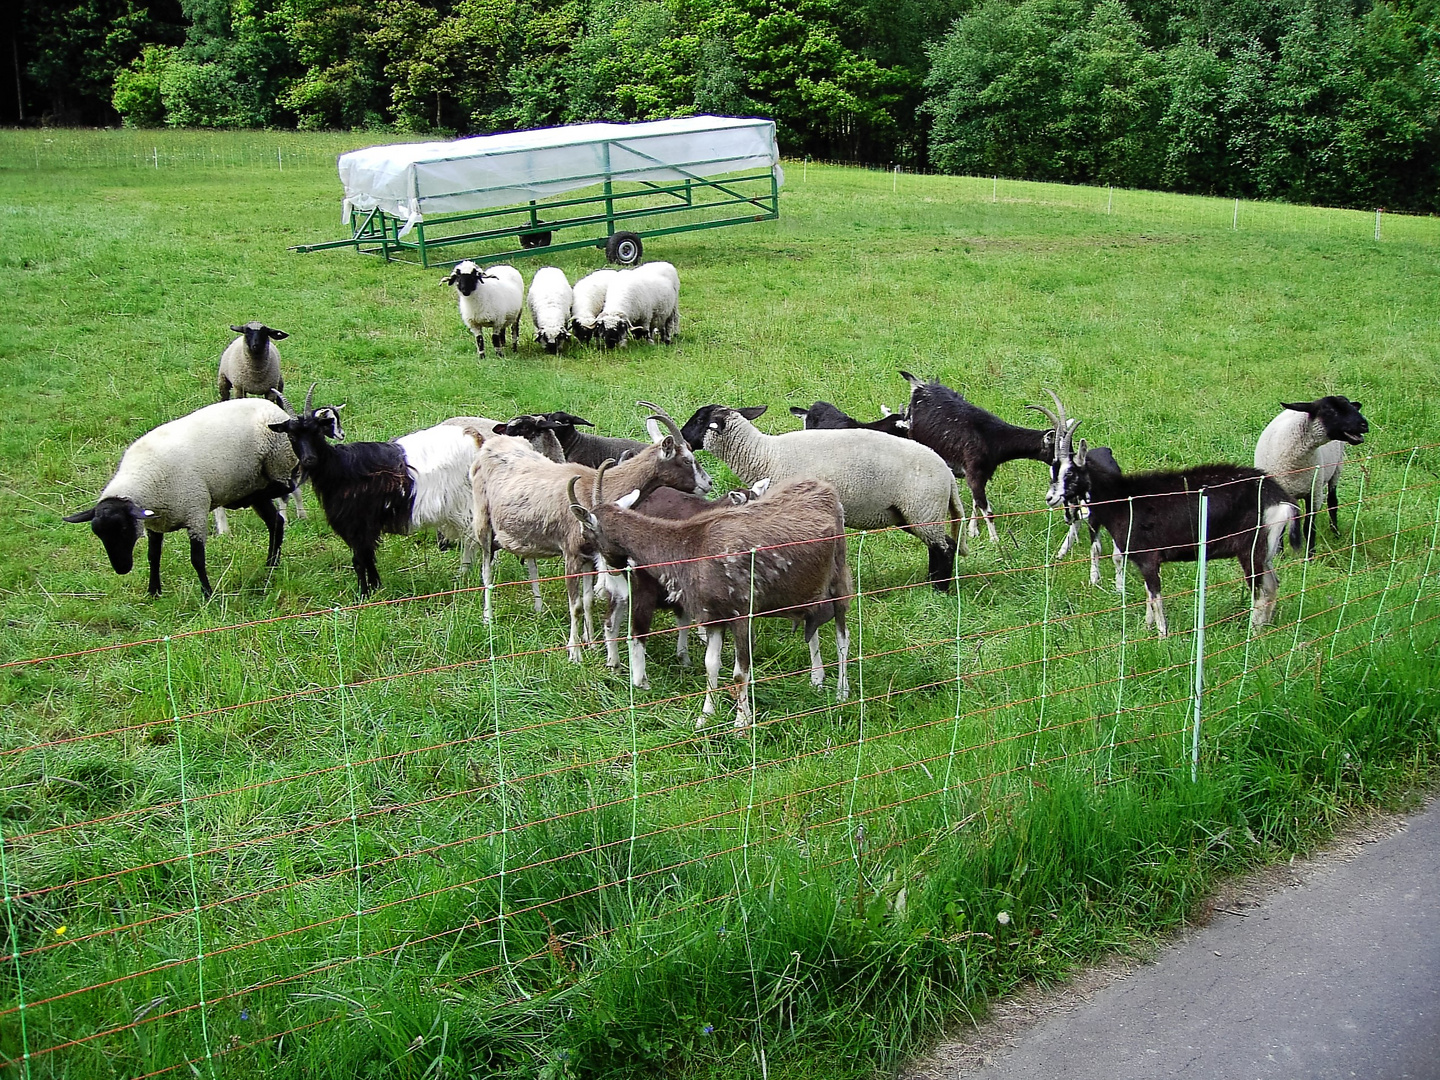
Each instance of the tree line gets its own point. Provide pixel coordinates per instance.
(1326, 101)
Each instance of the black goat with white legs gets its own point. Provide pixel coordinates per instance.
(783, 555)
(824, 415)
(1098, 458)
(973, 442)
(635, 596)
(1154, 517)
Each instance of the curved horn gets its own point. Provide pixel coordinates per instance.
(279, 399)
(1054, 420)
(570, 487)
(657, 413)
(600, 476)
(310, 396)
(1059, 408)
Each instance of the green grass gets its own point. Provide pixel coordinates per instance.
(556, 878)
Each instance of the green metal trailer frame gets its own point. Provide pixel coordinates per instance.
(375, 232)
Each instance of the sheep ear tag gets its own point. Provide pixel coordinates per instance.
(625, 502)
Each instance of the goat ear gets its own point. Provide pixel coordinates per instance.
(79, 516)
(582, 515)
(667, 446)
(282, 428)
(278, 335)
(625, 502)
(657, 433)
(626, 456)
(1080, 453)
(753, 412)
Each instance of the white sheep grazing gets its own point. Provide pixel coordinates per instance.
(642, 301)
(549, 302)
(172, 477)
(588, 302)
(1304, 449)
(492, 297)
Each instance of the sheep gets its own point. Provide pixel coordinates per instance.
(521, 506)
(419, 481)
(492, 297)
(1304, 450)
(549, 301)
(644, 301)
(588, 302)
(783, 555)
(882, 480)
(635, 596)
(586, 449)
(1154, 517)
(824, 415)
(251, 363)
(170, 478)
(973, 442)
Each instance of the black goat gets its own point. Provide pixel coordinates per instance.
(973, 442)
(366, 488)
(822, 414)
(583, 448)
(1099, 459)
(1154, 517)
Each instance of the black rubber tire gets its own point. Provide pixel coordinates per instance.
(624, 248)
(535, 239)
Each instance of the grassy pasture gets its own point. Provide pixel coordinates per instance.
(404, 843)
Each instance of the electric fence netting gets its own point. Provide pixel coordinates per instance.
(223, 845)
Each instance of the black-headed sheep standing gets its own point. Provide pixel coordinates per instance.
(1304, 450)
(226, 454)
(492, 298)
(882, 481)
(549, 301)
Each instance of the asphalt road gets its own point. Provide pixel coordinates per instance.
(1335, 977)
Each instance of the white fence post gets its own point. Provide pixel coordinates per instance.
(1200, 635)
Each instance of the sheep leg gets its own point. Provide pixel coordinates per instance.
(276, 526)
(156, 540)
(514, 336)
(1307, 521)
(222, 521)
(714, 639)
(942, 564)
(532, 568)
(497, 338)
(480, 344)
(1332, 501)
(487, 575)
(197, 560)
(467, 552)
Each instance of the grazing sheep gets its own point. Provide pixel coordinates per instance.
(643, 301)
(825, 416)
(588, 302)
(973, 442)
(1304, 450)
(170, 478)
(883, 481)
(521, 506)
(550, 300)
(492, 297)
(1155, 517)
(783, 555)
(251, 363)
(419, 481)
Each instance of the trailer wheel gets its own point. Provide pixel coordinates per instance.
(624, 248)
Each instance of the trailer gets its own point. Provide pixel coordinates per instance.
(498, 196)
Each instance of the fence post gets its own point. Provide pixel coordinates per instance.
(1235, 221)
(15, 950)
(1200, 634)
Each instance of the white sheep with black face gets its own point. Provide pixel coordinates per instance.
(493, 297)
(588, 301)
(251, 363)
(549, 301)
(1304, 450)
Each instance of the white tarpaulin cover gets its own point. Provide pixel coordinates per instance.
(410, 180)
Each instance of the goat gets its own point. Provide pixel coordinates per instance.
(521, 506)
(1154, 517)
(882, 481)
(783, 555)
(1097, 458)
(1304, 450)
(824, 415)
(973, 442)
(636, 596)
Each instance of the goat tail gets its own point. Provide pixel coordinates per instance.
(1278, 519)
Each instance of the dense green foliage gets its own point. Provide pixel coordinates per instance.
(1327, 101)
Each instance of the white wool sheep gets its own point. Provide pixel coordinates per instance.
(589, 301)
(251, 363)
(644, 300)
(492, 297)
(172, 477)
(1304, 449)
(549, 302)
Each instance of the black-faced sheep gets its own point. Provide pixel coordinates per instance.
(493, 297)
(1304, 450)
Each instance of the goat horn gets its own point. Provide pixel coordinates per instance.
(1059, 408)
(1054, 420)
(661, 415)
(310, 396)
(280, 400)
(570, 487)
(600, 476)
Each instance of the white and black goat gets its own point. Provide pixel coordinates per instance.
(783, 556)
(1304, 449)
(824, 415)
(973, 442)
(1097, 458)
(521, 505)
(1154, 517)
(367, 489)
(637, 594)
